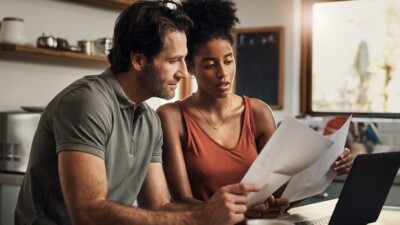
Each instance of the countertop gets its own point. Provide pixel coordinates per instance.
(342, 178)
(11, 178)
(16, 178)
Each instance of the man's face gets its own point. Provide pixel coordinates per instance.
(161, 77)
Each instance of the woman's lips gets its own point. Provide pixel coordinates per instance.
(224, 86)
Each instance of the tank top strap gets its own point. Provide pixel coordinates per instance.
(248, 115)
(184, 110)
(190, 126)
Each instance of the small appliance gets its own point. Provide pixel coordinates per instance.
(16, 134)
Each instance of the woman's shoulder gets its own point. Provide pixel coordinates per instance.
(264, 120)
(261, 110)
(169, 108)
(259, 106)
(171, 116)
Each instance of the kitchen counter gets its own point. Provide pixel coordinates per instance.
(393, 198)
(10, 184)
(396, 181)
(14, 179)
(334, 189)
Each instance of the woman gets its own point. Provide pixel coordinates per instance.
(212, 137)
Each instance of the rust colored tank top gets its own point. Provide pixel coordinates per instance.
(210, 165)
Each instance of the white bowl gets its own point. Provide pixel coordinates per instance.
(267, 222)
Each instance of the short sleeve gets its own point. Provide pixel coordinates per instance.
(157, 152)
(82, 121)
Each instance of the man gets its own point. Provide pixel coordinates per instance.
(98, 145)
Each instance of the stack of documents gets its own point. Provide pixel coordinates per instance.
(298, 155)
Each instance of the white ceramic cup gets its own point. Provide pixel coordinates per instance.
(12, 31)
(267, 222)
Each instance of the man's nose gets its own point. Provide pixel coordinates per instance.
(183, 72)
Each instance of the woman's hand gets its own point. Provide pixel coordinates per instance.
(271, 208)
(343, 163)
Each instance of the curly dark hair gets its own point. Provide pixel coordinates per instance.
(212, 19)
(142, 28)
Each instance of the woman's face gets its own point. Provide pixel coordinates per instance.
(214, 67)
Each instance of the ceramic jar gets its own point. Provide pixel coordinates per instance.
(12, 31)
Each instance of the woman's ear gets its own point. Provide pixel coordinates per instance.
(138, 61)
(190, 69)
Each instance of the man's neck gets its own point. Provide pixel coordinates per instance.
(131, 86)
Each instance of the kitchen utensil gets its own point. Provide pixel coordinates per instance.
(62, 44)
(47, 42)
(74, 48)
(86, 47)
(102, 45)
(12, 31)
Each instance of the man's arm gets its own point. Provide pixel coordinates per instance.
(154, 193)
(84, 185)
(227, 202)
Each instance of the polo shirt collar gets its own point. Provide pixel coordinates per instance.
(123, 100)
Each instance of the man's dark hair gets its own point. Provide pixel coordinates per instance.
(142, 28)
(212, 19)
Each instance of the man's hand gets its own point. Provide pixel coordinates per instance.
(227, 205)
(343, 163)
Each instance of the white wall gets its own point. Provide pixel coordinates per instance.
(27, 83)
(286, 13)
(33, 82)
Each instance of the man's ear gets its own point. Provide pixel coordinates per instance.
(138, 61)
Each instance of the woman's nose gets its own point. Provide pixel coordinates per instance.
(222, 72)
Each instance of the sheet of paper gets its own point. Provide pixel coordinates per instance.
(292, 148)
(316, 178)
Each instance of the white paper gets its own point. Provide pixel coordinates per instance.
(316, 178)
(292, 148)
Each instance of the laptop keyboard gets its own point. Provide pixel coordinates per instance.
(320, 221)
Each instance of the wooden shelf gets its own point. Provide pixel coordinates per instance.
(30, 50)
(115, 4)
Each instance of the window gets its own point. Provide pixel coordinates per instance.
(351, 58)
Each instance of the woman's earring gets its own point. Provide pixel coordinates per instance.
(192, 76)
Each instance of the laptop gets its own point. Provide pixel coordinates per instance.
(364, 191)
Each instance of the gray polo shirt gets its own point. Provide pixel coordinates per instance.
(91, 115)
